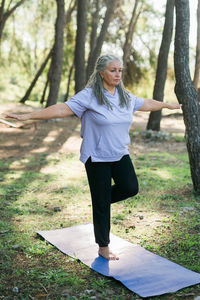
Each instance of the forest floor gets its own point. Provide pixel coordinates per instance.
(43, 186)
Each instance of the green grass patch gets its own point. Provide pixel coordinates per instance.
(163, 218)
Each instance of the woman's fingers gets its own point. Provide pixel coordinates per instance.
(16, 117)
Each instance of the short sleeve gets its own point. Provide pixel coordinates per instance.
(79, 102)
(138, 102)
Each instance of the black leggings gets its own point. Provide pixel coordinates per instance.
(103, 193)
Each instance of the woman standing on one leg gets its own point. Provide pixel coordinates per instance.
(105, 108)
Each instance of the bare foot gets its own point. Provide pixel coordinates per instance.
(107, 253)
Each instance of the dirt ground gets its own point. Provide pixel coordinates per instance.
(63, 135)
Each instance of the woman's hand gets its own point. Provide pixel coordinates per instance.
(153, 105)
(60, 110)
(173, 106)
(17, 117)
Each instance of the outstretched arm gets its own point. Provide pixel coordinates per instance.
(54, 111)
(153, 105)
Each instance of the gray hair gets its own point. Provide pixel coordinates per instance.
(96, 83)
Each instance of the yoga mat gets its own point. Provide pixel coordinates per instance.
(141, 271)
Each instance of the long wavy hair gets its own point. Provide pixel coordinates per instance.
(96, 83)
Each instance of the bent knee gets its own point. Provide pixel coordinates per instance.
(132, 191)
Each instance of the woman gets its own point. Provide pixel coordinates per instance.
(105, 109)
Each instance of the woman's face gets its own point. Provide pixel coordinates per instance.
(113, 74)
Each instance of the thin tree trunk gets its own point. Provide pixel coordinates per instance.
(79, 60)
(129, 35)
(57, 55)
(39, 72)
(161, 72)
(68, 83)
(197, 62)
(93, 36)
(111, 5)
(69, 11)
(44, 90)
(5, 15)
(185, 90)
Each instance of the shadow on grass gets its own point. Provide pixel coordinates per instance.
(14, 185)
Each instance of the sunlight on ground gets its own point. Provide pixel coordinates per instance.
(72, 145)
(138, 225)
(40, 150)
(69, 171)
(164, 174)
(52, 135)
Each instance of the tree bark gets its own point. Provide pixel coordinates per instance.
(185, 90)
(129, 34)
(68, 83)
(69, 11)
(197, 61)
(42, 100)
(111, 5)
(4, 15)
(39, 72)
(79, 60)
(161, 72)
(57, 55)
(93, 36)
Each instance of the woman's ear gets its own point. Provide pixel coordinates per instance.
(101, 74)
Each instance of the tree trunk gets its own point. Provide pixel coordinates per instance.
(161, 73)
(69, 11)
(93, 36)
(5, 15)
(68, 83)
(39, 72)
(111, 5)
(197, 62)
(79, 60)
(57, 55)
(41, 69)
(129, 35)
(185, 90)
(42, 100)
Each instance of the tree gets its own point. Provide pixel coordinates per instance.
(94, 25)
(197, 62)
(93, 35)
(5, 13)
(185, 90)
(39, 72)
(129, 35)
(111, 5)
(161, 72)
(44, 63)
(79, 59)
(57, 55)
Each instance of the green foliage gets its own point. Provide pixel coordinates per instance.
(135, 70)
(27, 40)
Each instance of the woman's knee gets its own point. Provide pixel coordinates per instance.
(131, 190)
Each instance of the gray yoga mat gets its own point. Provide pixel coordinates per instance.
(141, 271)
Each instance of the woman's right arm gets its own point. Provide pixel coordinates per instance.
(60, 110)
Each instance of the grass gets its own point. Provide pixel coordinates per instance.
(157, 219)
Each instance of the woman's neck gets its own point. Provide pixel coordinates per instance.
(111, 89)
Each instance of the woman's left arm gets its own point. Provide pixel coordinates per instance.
(153, 105)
